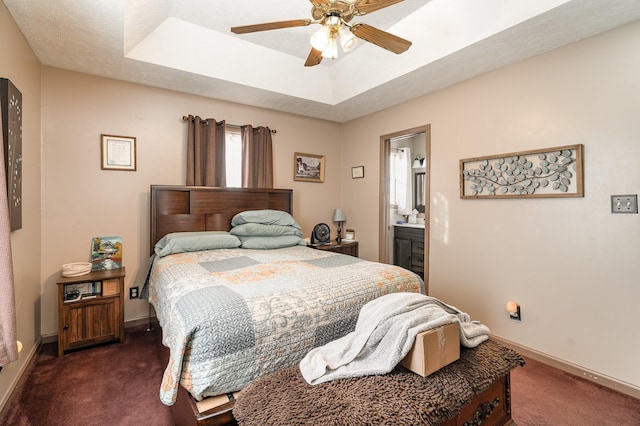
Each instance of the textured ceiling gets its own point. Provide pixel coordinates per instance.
(186, 45)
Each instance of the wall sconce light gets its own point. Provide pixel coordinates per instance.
(418, 163)
(514, 310)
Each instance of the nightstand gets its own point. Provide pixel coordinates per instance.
(96, 315)
(344, 247)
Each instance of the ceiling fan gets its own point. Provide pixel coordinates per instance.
(335, 17)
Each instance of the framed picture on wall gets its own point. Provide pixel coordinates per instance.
(308, 167)
(357, 172)
(548, 172)
(118, 152)
(11, 124)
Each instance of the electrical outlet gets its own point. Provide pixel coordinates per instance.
(516, 315)
(624, 203)
(133, 292)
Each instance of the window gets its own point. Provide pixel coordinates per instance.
(399, 174)
(393, 173)
(233, 157)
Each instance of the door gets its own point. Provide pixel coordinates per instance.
(420, 189)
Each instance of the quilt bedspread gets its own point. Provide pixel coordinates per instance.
(230, 316)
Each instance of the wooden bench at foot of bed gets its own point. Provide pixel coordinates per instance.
(475, 390)
(491, 407)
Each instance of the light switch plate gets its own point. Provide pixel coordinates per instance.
(624, 203)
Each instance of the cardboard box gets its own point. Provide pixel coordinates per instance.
(433, 349)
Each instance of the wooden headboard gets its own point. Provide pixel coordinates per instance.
(200, 208)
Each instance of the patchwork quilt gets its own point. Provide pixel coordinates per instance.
(230, 316)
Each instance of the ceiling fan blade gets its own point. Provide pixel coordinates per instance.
(270, 26)
(320, 2)
(314, 58)
(368, 6)
(381, 38)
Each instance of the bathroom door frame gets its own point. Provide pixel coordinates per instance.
(384, 224)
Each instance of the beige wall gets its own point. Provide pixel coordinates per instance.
(570, 263)
(19, 64)
(81, 201)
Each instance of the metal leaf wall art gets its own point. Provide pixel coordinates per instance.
(551, 172)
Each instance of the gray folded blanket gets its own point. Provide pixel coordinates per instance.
(384, 334)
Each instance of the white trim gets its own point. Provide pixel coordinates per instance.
(576, 370)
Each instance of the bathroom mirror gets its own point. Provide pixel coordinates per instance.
(418, 192)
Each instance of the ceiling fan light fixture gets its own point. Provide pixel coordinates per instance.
(331, 52)
(348, 40)
(320, 39)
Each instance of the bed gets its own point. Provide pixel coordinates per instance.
(319, 304)
(276, 303)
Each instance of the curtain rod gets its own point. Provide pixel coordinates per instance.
(185, 118)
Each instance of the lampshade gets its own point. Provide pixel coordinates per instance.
(417, 163)
(331, 52)
(320, 39)
(338, 216)
(347, 39)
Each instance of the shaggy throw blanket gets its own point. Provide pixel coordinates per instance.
(399, 398)
(384, 334)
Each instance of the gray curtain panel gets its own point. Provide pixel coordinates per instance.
(205, 152)
(257, 157)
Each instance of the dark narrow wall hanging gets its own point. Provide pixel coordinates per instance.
(11, 105)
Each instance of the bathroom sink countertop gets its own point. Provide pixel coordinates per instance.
(410, 225)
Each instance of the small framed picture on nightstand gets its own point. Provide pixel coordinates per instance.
(106, 253)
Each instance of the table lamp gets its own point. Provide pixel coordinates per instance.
(338, 216)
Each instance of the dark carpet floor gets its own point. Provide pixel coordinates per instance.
(112, 384)
(118, 384)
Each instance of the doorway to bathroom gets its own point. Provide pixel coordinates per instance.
(404, 195)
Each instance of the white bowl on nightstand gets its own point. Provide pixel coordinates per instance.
(75, 269)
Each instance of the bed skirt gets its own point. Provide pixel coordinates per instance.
(476, 388)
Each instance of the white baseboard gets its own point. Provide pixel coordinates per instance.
(140, 321)
(576, 370)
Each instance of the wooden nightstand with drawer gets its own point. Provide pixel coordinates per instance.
(90, 309)
(344, 247)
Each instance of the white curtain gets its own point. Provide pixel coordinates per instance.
(405, 199)
(8, 345)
